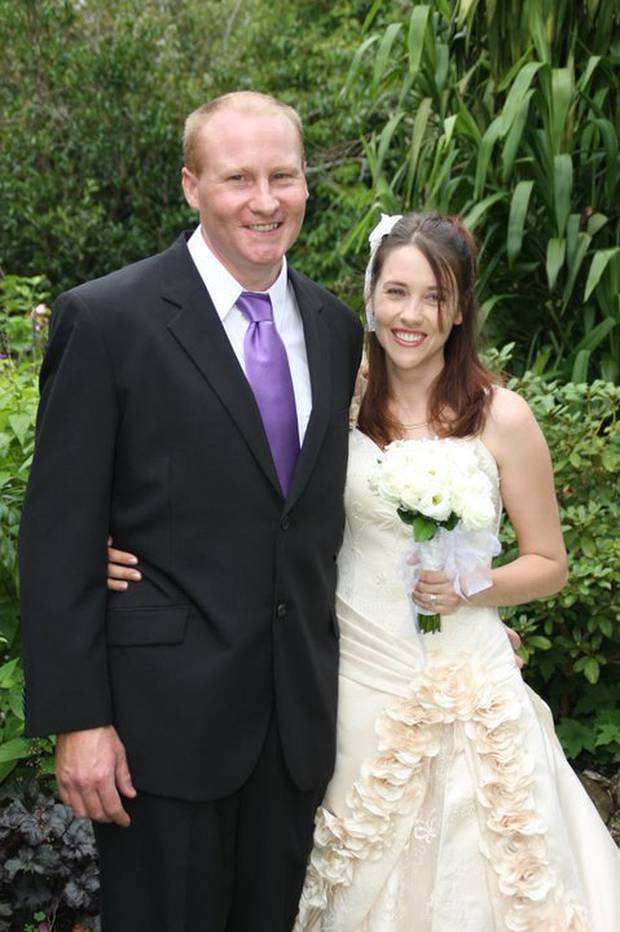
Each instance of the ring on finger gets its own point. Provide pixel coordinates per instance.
(432, 599)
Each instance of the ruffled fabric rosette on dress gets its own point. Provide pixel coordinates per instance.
(392, 786)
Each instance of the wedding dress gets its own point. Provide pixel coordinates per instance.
(452, 807)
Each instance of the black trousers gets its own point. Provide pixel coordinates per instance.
(232, 865)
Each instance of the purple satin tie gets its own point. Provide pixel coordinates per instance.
(268, 372)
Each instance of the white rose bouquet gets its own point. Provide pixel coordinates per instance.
(439, 489)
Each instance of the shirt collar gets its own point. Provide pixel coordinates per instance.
(223, 288)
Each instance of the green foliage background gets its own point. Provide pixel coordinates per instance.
(93, 96)
(504, 112)
(508, 113)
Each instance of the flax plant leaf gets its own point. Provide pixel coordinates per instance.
(516, 218)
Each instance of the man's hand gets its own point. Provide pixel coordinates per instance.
(91, 768)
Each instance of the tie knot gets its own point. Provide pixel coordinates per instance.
(256, 307)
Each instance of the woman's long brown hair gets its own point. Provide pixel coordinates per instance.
(461, 393)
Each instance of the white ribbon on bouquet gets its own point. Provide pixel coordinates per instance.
(464, 556)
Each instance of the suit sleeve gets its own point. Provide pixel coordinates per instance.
(64, 529)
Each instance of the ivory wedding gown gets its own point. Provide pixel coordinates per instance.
(452, 807)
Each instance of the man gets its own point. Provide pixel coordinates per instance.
(195, 405)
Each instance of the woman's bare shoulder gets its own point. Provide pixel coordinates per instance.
(508, 411)
(510, 427)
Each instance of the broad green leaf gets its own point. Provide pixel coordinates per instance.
(513, 138)
(15, 749)
(48, 765)
(385, 139)
(580, 372)
(598, 265)
(596, 223)
(581, 249)
(383, 55)
(485, 151)
(6, 769)
(440, 173)
(370, 17)
(592, 670)
(562, 190)
(597, 334)
(417, 30)
(505, 82)
(467, 125)
(540, 642)
(463, 10)
(610, 142)
(562, 88)
(21, 424)
(9, 673)
(442, 66)
(584, 80)
(516, 94)
(419, 129)
(356, 63)
(611, 461)
(516, 219)
(423, 528)
(536, 28)
(477, 212)
(16, 705)
(448, 128)
(607, 734)
(556, 251)
(575, 737)
(610, 370)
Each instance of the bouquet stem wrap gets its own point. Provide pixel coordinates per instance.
(464, 556)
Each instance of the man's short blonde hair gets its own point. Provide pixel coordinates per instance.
(243, 101)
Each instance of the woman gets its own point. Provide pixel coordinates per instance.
(452, 806)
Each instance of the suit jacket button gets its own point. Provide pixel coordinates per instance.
(281, 609)
(285, 523)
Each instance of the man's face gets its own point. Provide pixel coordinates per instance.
(250, 193)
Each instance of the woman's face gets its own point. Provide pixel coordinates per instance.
(406, 303)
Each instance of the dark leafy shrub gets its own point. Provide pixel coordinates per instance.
(18, 403)
(48, 868)
(572, 641)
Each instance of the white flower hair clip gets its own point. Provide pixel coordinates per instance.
(385, 225)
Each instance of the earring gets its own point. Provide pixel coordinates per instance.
(371, 320)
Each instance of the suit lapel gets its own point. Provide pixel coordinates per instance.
(199, 331)
(317, 339)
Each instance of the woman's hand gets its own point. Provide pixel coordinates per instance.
(435, 583)
(434, 592)
(121, 568)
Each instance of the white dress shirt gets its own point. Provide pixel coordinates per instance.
(224, 291)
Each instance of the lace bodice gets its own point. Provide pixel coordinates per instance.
(370, 564)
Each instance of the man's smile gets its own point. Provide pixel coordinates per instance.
(264, 227)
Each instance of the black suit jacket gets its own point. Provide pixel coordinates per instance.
(149, 430)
